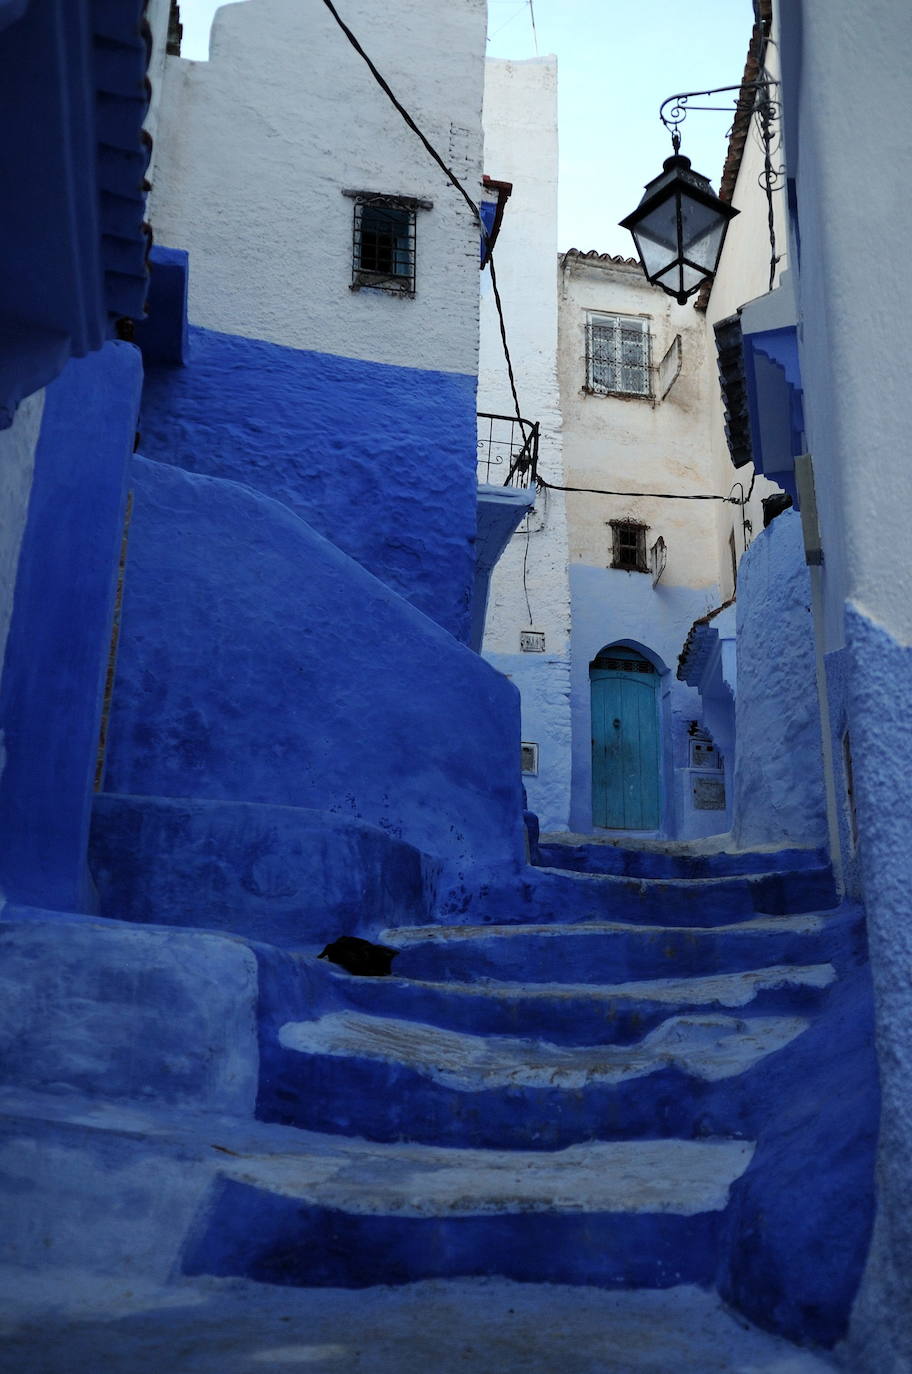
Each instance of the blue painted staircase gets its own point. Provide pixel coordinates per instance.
(568, 1081)
(575, 1077)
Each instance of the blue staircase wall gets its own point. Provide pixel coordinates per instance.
(379, 459)
(60, 633)
(258, 663)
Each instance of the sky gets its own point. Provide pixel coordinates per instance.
(617, 61)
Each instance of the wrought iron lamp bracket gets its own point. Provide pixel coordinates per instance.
(678, 106)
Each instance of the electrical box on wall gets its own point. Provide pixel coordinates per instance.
(528, 754)
(703, 754)
(532, 641)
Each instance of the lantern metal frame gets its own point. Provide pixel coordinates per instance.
(679, 182)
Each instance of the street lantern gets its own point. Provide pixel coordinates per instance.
(679, 228)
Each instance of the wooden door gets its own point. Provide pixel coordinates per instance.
(625, 741)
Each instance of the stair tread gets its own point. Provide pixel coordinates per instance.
(684, 884)
(400, 936)
(728, 989)
(681, 1177)
(710, 1047)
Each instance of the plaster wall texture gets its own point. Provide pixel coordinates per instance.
(258, 663)
(17, 461)
(743, 275)
(121, 1012)
(637, 444)
(544, 684)
(250, 175)
(615, 607)
(857, 411)
(59, 641)
(879, 714)
(529, 587)
(157, 15)
(377, 458)
(779, 792)
(277, 874)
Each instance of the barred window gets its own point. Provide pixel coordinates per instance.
(384, 241)
(617, 355)
(629, 545)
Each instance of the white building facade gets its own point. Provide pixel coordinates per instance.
(527, 628)
(644, 535)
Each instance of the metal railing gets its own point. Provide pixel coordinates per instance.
(507, 450)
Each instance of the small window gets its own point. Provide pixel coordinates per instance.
(528, 759)
(629, 546)
(384, 241)
(617, 355)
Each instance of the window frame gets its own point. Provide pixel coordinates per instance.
(394, 282)
(614, 385)
(640, 559)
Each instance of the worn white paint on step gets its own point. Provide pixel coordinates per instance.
(721, 989)
(684, 1177)
(707, 1047)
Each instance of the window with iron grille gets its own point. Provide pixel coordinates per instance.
(617, 355)
(629, 545)
(384, 241)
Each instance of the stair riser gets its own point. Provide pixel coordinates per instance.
(641, 863)
(548, 897)
(390, 1102)
(275, 1239)
(562, 1020)
(610, 958)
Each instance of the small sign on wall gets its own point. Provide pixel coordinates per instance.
(532, 641)
(708, 794)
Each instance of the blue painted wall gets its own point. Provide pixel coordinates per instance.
(879, 701)
(280, 874)
(544, 686)
(610, 606)
(779, 791)
(60, 634)
(259, 663)
(379, 459)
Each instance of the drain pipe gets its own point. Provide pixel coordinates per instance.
(813, 556)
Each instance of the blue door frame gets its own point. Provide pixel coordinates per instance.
(625, 741)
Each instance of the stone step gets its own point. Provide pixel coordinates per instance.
(551, 895)
(390, 1080)
(443, 1326)
(223, 1196)
(611, 951)
(351, 1214)
(579, 855)
(578, 1013)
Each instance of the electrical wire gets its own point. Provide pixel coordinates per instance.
(534, 29)
(653, 495)
(451, 177)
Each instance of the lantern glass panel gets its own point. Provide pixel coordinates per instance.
(656, 237)
(703, 229)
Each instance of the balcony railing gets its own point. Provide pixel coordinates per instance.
(507, 450)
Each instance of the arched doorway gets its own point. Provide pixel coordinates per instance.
(625, 740)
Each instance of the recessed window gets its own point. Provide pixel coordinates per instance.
(617, 355)
(629, 545)
(384, 241)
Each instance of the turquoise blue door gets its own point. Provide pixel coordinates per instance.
(625, 741)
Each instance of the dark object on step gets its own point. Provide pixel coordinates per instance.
(360, 956)
(775, 505)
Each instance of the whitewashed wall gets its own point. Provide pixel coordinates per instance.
(250, 170)
(632, 445)
(848, 150)
(520, 123)
(637, 443)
